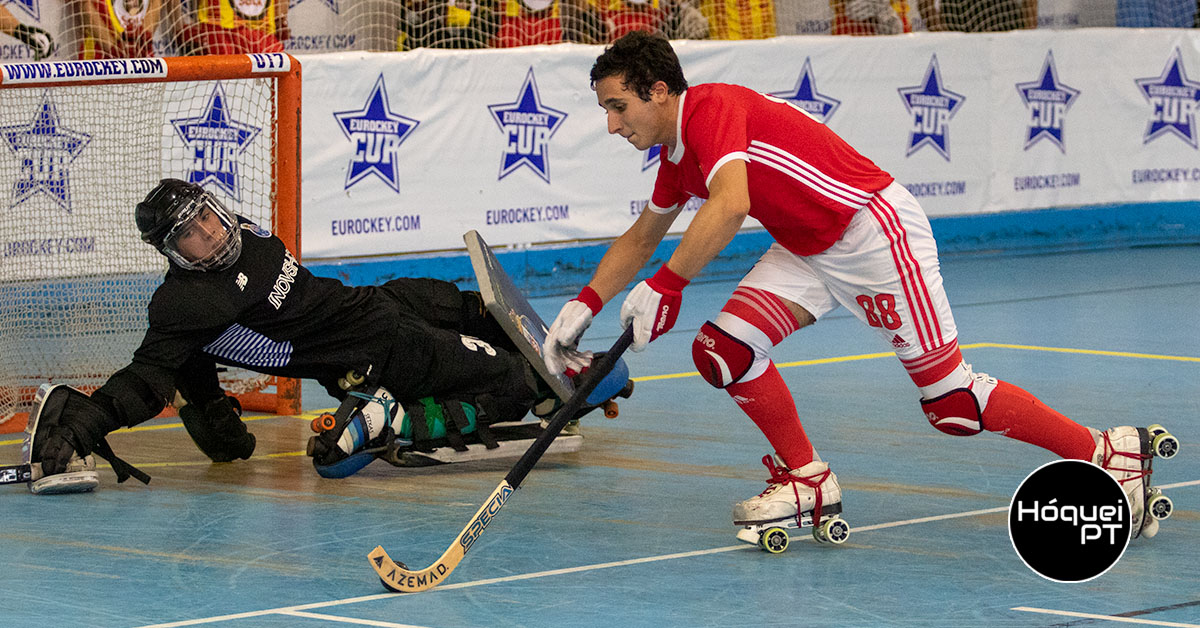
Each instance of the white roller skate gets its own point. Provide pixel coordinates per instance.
(1127, 453)
(806, 497)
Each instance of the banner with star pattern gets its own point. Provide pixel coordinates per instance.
(405, 152)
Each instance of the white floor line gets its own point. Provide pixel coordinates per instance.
(349, 620)
(292, 610)
(1124, 620)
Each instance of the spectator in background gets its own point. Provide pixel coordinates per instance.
(39, 41)
(234, 27)
(528, 23)
(461, 24)
(978, 16)
(1156, 13)
(685, 21)
(623, 16)
(581, 22)
(116, 29)
(739, 19)
(870, 17)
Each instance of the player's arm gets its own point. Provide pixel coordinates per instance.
(630, 252)
(716, 222)
(653, 305)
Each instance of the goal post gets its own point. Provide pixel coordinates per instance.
(81, 143)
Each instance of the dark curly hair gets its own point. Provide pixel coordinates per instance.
(642, 59)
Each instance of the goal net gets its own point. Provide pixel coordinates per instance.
(81, 143)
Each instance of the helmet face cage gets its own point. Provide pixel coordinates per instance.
(193, 222)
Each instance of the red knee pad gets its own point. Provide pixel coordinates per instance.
(721, 358)
(956, 413)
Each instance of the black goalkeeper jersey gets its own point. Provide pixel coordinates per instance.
(269, 314)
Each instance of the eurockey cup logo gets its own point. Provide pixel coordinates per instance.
(28, 6)
(216, 141)
(1069, 521)
(377, 133)
(45, 149)
(527, 126)
(651, 157)
(805, 96)
(931, 106)
(1172, 98)
(1047, 100)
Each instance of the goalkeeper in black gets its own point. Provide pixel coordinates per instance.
(234, 295)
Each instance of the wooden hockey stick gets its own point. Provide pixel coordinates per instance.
(396, 576)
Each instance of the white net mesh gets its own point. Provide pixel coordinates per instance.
(75, 277)
(84, 29)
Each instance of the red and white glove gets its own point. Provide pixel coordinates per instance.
(560, 352)
(652, 306)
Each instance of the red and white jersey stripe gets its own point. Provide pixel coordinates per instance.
(805, 182)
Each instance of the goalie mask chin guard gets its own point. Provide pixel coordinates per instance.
(190, 226)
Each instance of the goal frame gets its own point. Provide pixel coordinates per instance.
(284, 69)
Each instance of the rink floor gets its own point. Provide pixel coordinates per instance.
(634, 529)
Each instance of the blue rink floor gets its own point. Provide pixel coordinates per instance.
(634, 529)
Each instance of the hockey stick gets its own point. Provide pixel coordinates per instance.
(396, 576)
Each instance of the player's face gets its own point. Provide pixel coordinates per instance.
(643, 123)
(202, 236)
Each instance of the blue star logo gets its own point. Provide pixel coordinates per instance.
(45, 149)
(805, 95)
(1172, 99)
(377, 133)
(30, 7)
(332, 4)
(1047, 101)
(932, 106)
(651, 157)
(527, 125)
(216, 141)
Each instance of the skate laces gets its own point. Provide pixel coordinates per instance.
(1111, 452)
(781, 476)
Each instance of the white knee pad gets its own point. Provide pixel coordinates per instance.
(955, 404)
(730, 351)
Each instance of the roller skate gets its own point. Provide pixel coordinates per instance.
(353, 436)
(1128, 453)
(806, 497)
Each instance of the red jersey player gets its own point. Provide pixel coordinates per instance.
(846, 234)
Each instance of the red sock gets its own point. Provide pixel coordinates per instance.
(768, 402)
(1017, 414)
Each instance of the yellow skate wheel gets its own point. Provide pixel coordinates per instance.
(834, 531)
(774, 540)
(351, 380)
(1156, 429)
(1165, 445)
(1158, 505)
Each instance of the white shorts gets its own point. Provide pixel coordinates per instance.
(884, 269)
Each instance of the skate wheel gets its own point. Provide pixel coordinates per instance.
(323, 423)
(1156, 429)
(1165, 445)
(611, 409)
(774, 540)
(834, 531)
(351, 380)
(1159, 506)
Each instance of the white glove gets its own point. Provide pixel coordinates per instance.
(560, 352)
(652, 307)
